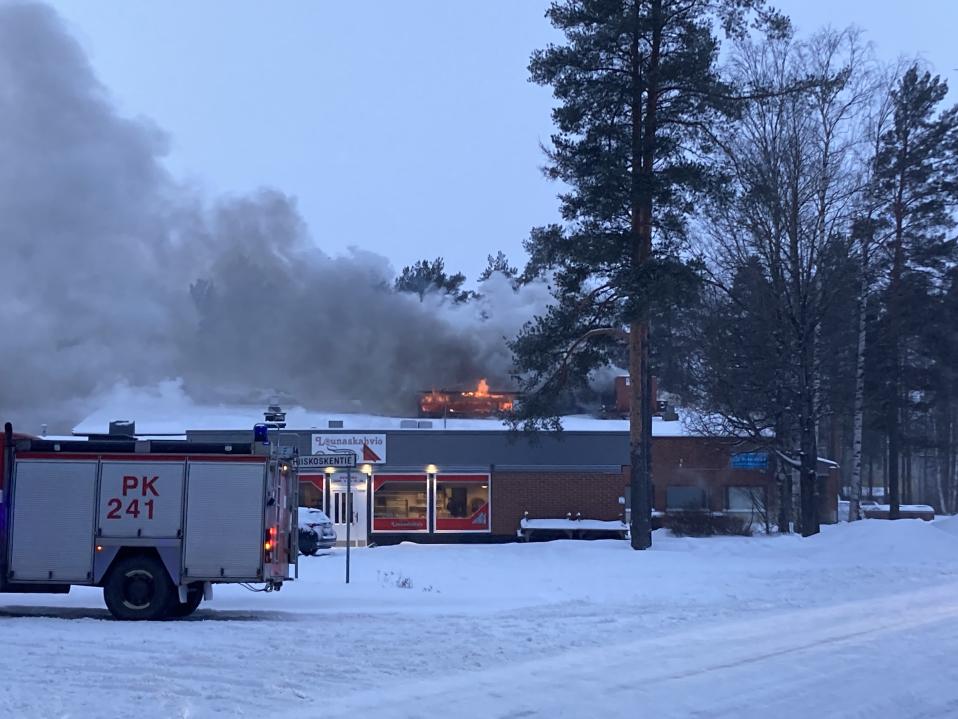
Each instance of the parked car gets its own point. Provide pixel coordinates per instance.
(315, 531)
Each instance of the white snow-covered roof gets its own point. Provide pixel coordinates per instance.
(168, 410)
(80, 435)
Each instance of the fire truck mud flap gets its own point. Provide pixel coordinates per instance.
(170, 556)
(102, 559)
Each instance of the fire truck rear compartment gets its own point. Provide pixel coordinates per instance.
(74, 519)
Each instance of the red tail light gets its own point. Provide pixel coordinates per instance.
(270, 543)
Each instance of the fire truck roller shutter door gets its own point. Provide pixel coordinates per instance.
(225, 516)
(54, 509)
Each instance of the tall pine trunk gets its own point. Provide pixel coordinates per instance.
(894, 405)
(643, 157)
(640, 445)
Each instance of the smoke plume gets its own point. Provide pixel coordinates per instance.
(114, 273)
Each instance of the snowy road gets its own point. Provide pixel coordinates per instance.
(862, 621)
(836, 662)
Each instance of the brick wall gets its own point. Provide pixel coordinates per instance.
(678, 461)
(553, 494)
(698, 462)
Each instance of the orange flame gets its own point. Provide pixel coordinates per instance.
(481, 390)
(479, 402)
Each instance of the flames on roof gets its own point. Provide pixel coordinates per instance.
(478, 402)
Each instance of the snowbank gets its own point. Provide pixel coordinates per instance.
(902, 542)
(947, 524)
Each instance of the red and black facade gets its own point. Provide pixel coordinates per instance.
(477, 485)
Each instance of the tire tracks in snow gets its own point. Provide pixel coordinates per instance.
(791, 660)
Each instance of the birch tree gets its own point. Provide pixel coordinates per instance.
(794, 162)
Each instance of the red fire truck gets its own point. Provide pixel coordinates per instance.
(155, 523)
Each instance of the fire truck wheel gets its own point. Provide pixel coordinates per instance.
(194, 595)
(139, 588)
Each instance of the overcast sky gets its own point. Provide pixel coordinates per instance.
(407, 128)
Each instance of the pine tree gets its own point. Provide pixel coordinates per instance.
(941, 335)
(500, 264)
(427, 276)
(638, 88)
(917, 178)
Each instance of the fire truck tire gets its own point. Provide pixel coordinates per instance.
(139, 588)
(194, 595)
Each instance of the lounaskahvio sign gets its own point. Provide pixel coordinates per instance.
(367, 448)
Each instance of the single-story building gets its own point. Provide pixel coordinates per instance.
(445, 480)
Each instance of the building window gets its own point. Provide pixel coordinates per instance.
(399, 503)
(462, 503)
(311, 491)
(685, 499)
(745, 499)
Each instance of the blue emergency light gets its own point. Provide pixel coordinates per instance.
(261, 433)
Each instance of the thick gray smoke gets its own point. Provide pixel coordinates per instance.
(114, 273)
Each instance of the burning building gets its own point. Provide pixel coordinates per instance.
(480, 402)
(473, 479)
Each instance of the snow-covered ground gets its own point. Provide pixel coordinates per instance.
(861, 621)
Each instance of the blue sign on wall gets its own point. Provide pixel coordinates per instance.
(750, 460)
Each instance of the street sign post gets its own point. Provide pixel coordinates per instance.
(321, 461)
(349, 518)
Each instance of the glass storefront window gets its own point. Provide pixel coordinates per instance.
(400, 503)
(685, 499)
(462, 503)
(311, 491)
(746, 499)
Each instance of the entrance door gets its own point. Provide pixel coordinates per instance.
(344, 508)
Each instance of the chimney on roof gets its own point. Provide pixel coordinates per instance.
(623, 395)
(122, 428)
(275, 416)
